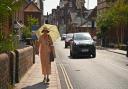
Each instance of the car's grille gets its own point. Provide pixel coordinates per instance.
(84, 46)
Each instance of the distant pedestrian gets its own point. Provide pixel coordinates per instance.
(45, 43)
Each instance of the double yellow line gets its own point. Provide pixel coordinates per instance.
(66, 77)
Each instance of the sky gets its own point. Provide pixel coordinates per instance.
(52, 4)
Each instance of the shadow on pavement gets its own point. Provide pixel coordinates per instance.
(40, 85)
(80, 57)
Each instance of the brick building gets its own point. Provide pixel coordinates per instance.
(32, 10)
(63, 13)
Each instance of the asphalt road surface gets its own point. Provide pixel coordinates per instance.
(107, 71)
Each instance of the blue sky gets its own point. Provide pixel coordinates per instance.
(50, 4)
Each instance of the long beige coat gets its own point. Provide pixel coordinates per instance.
(44, 49)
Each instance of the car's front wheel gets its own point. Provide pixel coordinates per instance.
(94, 55)
(73, 55)
(70, 54)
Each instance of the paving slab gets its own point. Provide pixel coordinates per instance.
(33, 79)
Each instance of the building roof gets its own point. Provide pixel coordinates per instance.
(32, 7)
(76, 19)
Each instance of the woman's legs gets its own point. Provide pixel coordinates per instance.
(47, 78)
(44, 78)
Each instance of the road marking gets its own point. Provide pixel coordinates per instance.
(66, 77)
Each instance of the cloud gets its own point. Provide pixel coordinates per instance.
(49, 5)
(91, 4)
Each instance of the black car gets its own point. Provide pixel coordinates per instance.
(67, 39)
(82, 45)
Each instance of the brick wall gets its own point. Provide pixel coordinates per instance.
(24, 60)
(4, 71)
(14, 65)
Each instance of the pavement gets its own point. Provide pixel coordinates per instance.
(33, 79)
(117, 51)
(114, 50)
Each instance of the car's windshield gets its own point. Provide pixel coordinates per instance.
(82, 37)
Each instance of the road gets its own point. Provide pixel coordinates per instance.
(107, 71)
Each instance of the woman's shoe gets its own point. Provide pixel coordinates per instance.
(48, 79)
(44, 79)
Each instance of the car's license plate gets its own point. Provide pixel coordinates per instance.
(84, 50)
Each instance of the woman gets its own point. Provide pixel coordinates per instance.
(45, 43)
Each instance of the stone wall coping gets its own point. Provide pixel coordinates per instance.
(4, 56)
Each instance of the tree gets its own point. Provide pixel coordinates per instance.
(27, 31)
(115, 16)
(7, 9)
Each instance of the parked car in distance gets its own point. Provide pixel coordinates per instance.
(67, 39)
(82, 44)
(63, 36)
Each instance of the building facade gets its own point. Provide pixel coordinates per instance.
(70, 16)
(32, 10)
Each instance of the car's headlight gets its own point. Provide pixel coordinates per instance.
(91, 43)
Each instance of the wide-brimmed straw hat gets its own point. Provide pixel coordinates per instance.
(45, 29)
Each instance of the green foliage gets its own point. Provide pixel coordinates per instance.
(32, 21)
(121, 9)
(115, 15)
(26, 32)
(106, 20)
(9, 44)
(7, 8)
(98, 34)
